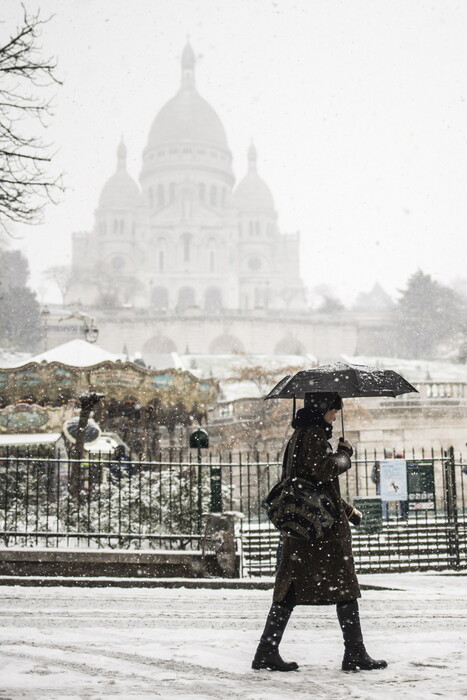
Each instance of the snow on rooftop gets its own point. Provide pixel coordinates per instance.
(414, 370)
(13, 359)
(29, 438)
(75, 353)
(224, 366)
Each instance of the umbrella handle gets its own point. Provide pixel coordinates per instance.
(342, 421)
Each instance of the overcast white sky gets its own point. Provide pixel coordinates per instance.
(357, 108)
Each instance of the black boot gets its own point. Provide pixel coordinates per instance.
(356, 658)
(355, 655)
(267, 654)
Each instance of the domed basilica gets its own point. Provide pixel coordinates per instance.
(187, 261)
(187, 236)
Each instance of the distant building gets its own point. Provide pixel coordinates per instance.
(377, 299)
(188, 261)
(186, 236)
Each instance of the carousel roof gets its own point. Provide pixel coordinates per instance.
(74, 353)
(65, 372)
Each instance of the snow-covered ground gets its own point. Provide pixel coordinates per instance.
(72, 643)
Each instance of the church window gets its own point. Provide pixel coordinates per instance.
(160, 195)
(186, 239)
(226, 344)
(172, 192)
(289, 346)
(186, 298)
(211, 261)
(118, 262)
(122, 226)
(213, 196)
(160, 298)
(257, 228)
(254, 264)
(161, 260)
(201, 191)
(213, 299)
(115, 226)
(251, 227)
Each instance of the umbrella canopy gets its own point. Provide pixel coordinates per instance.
(92, 433)
(346, 380)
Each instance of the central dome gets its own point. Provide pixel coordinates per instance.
(187, 117)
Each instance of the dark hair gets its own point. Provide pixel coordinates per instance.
(323, 401)
(316, 405)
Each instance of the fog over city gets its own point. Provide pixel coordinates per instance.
(357, 111)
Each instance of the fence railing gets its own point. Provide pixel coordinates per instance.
(101, 503)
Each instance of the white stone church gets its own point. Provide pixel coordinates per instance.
(187, 236)
(189, 261)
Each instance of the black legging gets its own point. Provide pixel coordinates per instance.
(347, 614)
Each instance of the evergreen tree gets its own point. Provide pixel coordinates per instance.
(428, 313)
(20, 321)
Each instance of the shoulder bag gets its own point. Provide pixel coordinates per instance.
(300, 507)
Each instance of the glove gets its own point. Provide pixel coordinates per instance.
(345, 446)
(355, 517)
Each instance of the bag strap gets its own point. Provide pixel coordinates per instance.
(296, 451)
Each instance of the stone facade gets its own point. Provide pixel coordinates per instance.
(187, 236)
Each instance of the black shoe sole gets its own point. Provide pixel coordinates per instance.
(354, 669)
(270, 667)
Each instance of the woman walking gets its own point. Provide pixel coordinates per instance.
(319, 571)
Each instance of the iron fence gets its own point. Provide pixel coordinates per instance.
(53, 501)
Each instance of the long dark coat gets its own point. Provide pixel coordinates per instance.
(322, 571)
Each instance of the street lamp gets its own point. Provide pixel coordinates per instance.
(91, 333)
(89, 329)
(199, 440)
(45, 315)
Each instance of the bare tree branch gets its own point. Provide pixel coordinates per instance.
(25, 184)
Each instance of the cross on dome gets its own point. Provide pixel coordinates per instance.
(252, 157)
(188, 63)
(121, 155)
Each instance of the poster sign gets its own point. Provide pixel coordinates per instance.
(421, 485)
(393, 479)
(372, 512)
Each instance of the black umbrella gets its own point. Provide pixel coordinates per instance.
(93, 431)
(345, 380)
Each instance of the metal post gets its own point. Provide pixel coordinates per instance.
(200, 495)
(215, 476)
(450, 493)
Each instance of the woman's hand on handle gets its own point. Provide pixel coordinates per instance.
(345, 446)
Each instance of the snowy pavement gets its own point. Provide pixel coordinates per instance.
(71, 643)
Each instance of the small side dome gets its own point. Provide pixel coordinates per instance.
(120, 191)
(252, 193)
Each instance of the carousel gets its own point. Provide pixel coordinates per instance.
(147, 408)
